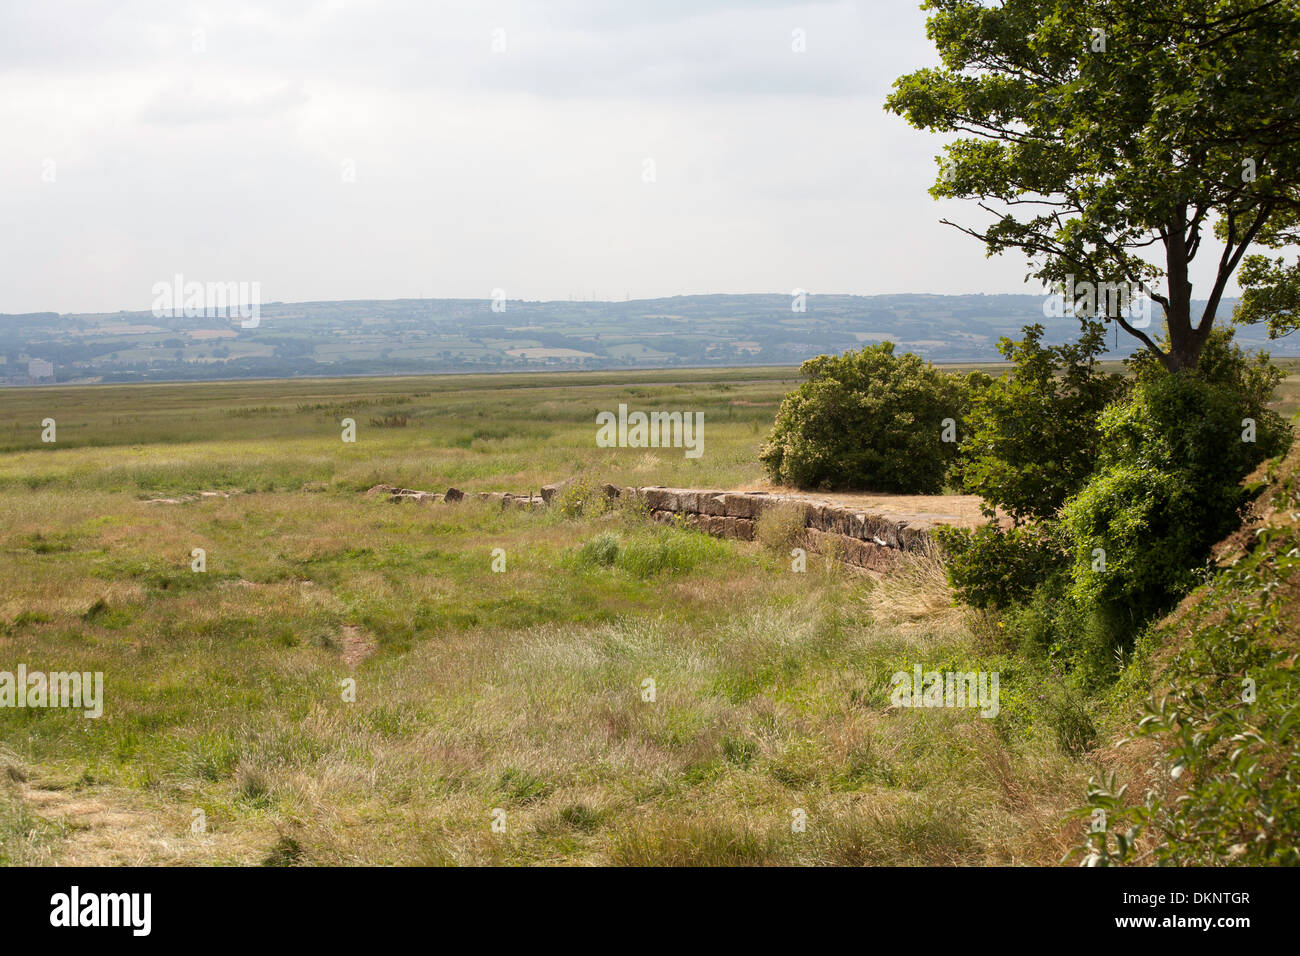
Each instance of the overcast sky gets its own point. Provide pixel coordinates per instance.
(357, 149)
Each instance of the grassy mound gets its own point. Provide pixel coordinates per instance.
(1216, 755)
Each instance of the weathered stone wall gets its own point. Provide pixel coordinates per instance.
(866, 539)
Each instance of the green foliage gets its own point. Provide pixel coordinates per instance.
(1161, 484)
(1093, 131)
(644, 554)
(1033, 436)
(1229, 727)
(867, 419)
(1250, 378)
(582, 497)
(1168, 482)
(1138, 535)
(1270, 287)
(993, 567)
(1067, 715)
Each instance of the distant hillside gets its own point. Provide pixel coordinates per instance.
(456, 335)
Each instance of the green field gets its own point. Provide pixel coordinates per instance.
(475, 691)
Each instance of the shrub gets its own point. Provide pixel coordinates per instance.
(1032, 435)
(1136, 538)
(1196, 421)
(582, 497)
(1132, 538)
(1226, 790)
(867, 419)
(1066, 713)
(1168, 483)
(992, 567)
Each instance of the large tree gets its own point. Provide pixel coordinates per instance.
(1112, 141)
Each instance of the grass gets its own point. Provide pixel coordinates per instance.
(475, 691)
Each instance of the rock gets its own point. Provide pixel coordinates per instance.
(817, 516)
(712, 504)
(419, 497)
(742, 528)
(381, 490)
(879, 528)
(740, 506)
(661, 499)
(864, 554)
(689, 501)
(453, 494)
(550, 491)
(842, 521)
(523, 502)
(915, 539)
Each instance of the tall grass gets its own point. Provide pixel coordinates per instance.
(524, 690)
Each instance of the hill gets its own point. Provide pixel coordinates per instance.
(420, 336)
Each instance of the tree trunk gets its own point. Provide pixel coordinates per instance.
(1185, 340)
(1184, 350)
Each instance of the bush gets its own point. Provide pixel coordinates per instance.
(1227, 791)
(1136, 538)
(1032, 436)
(867, 420)
(1196, 421)
(993, 567)
(582, 498)
(1168, 483)
(1170, 455)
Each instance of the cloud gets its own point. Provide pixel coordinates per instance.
(191, 102)
(381, 148)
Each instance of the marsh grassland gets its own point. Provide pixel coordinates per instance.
(520, 691)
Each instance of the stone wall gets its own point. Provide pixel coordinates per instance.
(862, 538)
(866, 539)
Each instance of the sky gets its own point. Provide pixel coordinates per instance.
(381, 149)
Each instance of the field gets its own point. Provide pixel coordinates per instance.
(516, 697)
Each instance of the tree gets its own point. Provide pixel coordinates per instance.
(868, 419)
(1097, 133)
(1271, 287)
(1033, 434)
